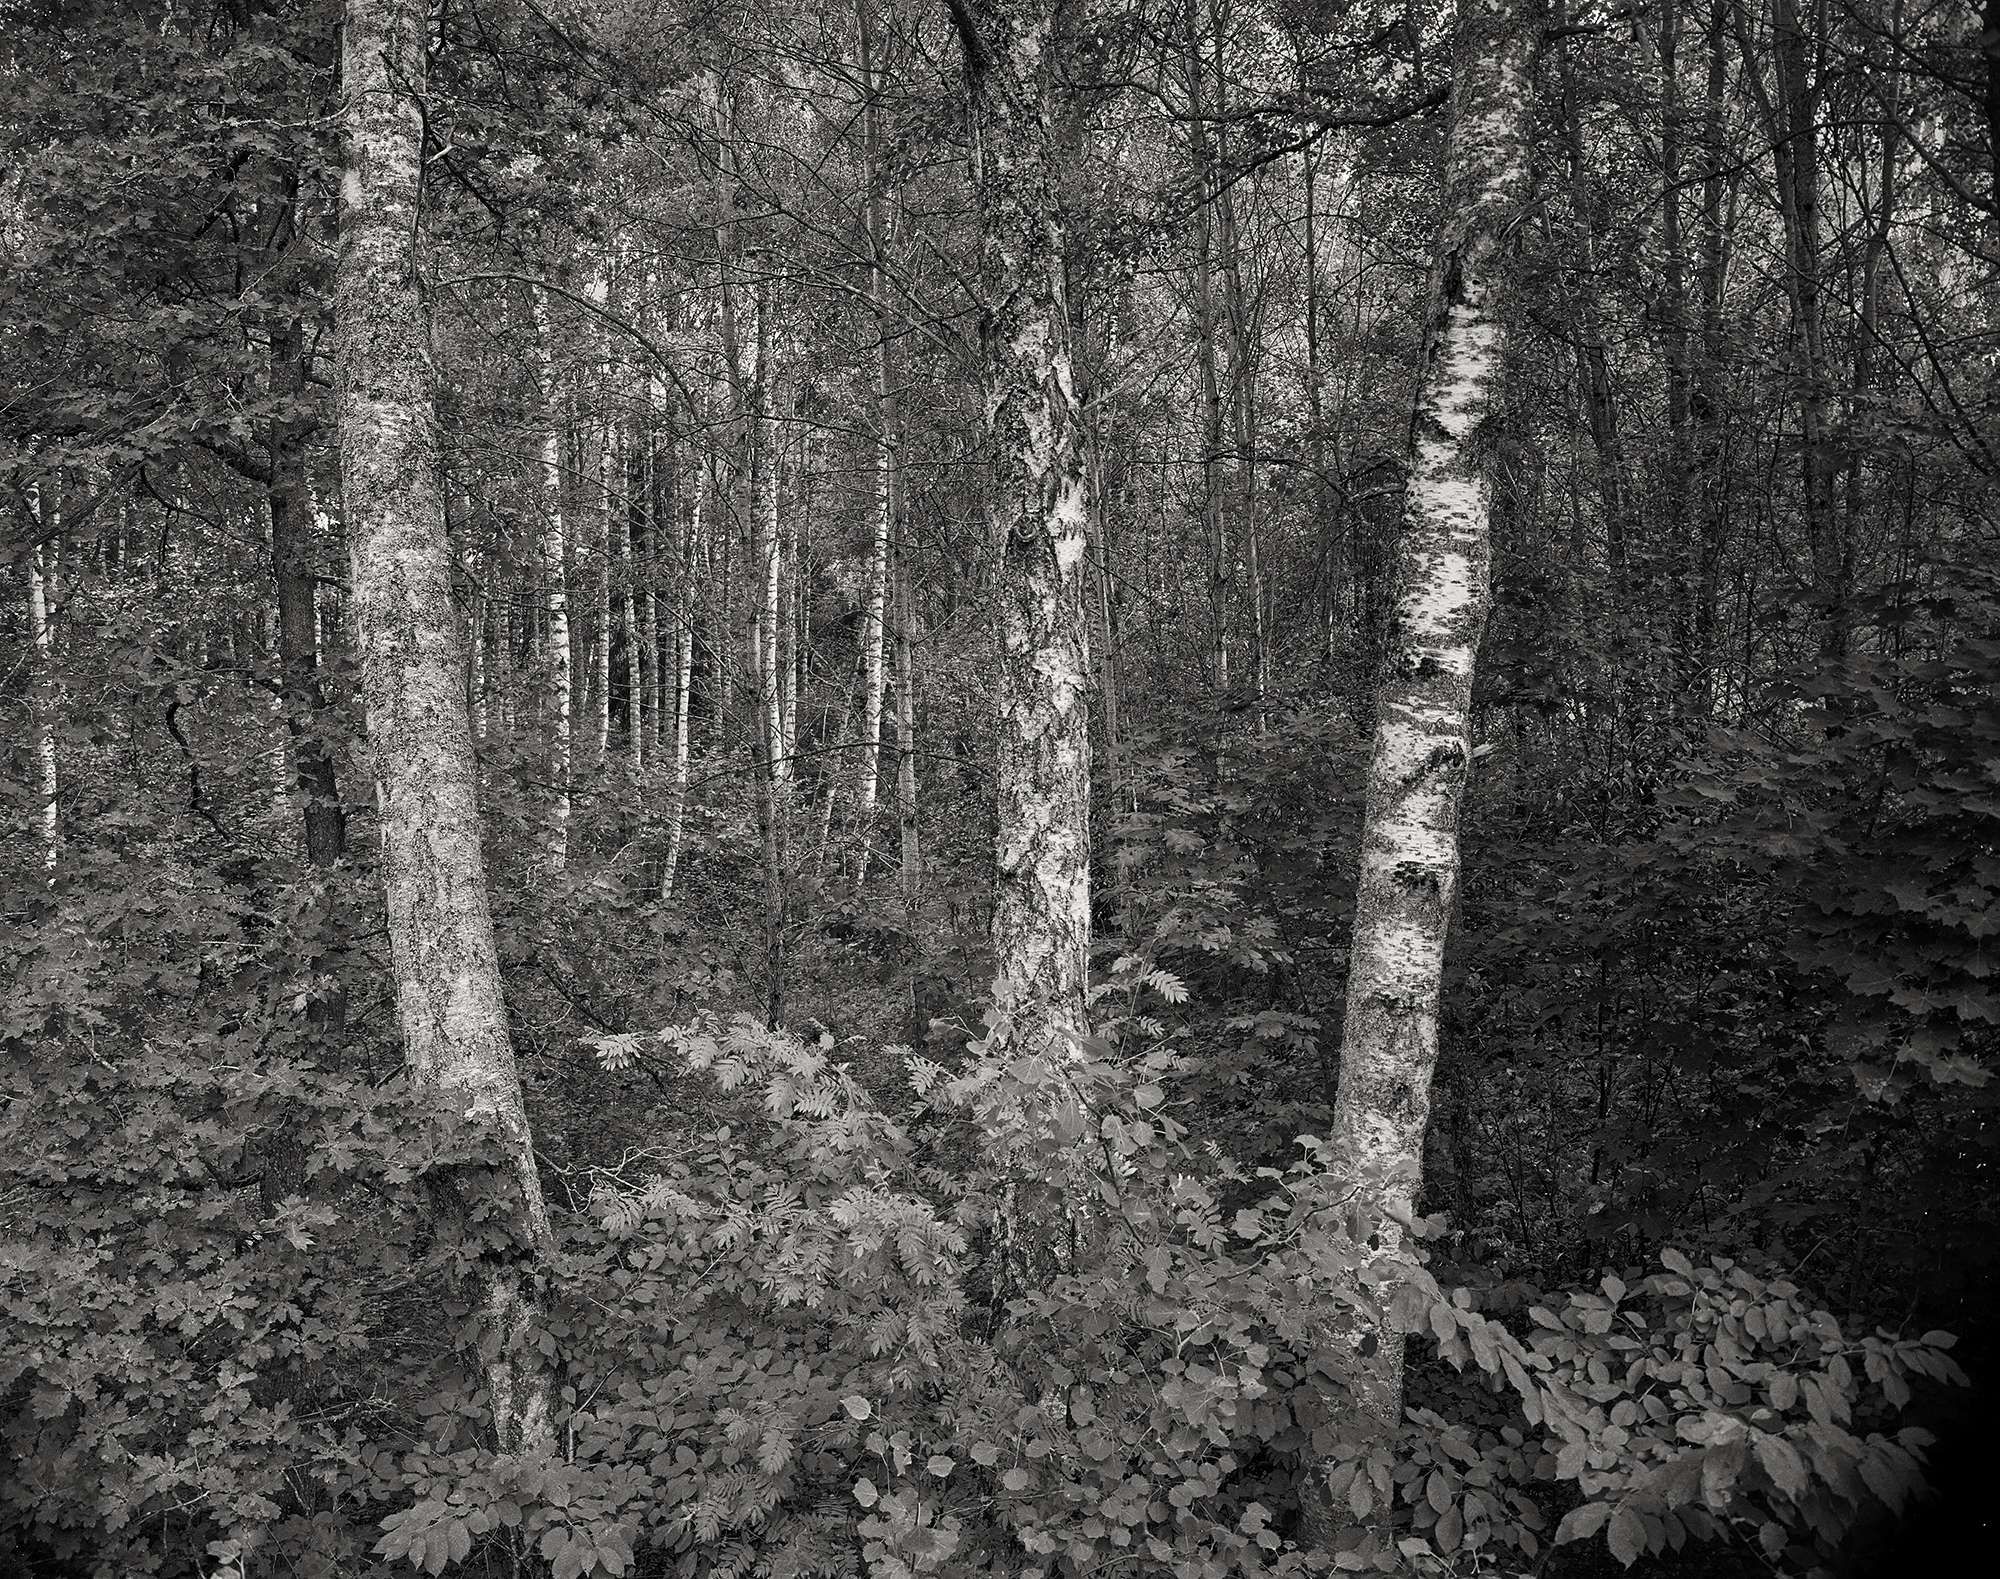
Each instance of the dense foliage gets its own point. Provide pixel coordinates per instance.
(1707, 1244)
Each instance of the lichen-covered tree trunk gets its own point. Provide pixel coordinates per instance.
(445, 967)
(1039, 518)
(1423, 733)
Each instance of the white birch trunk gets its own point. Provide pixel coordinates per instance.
(628, 612)
(444, 962)
(601, 611)
(684, 611)
(770, 568)
(785, 620)
(1423, 735)
(873, 617)
(477, 622)
(911, 878)
(559, 679)
(652, 661)
(1039, 516)
(874, 624)
(761, 624)
(41, 636)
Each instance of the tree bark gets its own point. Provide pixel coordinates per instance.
(684, 613)
(559, 675)
(1793, 120)
(1241, 315)
(607, 536)
(41, 636)
(1422, 753)
(1215, 521)
(1989, 50)
(761, 629)
(874, 610)
(910, 881)
(325, 822)
(1867, 329)
(443, 959)
(1038, 510)
(631, 546)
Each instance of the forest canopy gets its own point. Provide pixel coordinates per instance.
(1056, 788)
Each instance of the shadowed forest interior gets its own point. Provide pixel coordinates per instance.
(1079, 789)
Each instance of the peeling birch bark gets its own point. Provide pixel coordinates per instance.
(1423, 735)
(445, 966)
(1039, 515)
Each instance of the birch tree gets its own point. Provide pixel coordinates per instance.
(560, 676)
(1423, 746)
(1038, 519)
(874, 614)
(442, 952)
(690, 533)
(41, 636)
(760, 626)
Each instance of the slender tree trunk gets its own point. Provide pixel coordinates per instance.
(874, 620)
(1423, 744)
(304, 705)
(1329, 533)
(1215, 521)
(41, 635)
(911, 880)
(1240, 313)
(1989, 49)
(1868, 328)
(761, 626)
(1600, 405)
(558, 675)
(1022, 141)
(784, 599)
(443, 959)
(631, 549)
(607, 535)
(1683, 482)
(1706, 396)
(1794, 122)
(874, 610)
(684, 616)
(729, 522)
(325, 822)
(910, 875)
